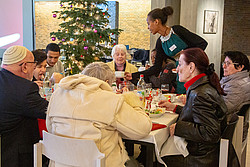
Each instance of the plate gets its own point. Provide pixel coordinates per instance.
(160, 112)
(155, 115)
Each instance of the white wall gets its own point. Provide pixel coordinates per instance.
(190, 14)
(192, 17)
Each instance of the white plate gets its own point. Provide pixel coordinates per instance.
(155, 115)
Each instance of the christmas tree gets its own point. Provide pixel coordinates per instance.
(84, 35)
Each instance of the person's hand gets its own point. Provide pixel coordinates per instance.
(172, 129)
(128, 76)
(39, 83)
(165, 104)
(56, 77)
(183, 99)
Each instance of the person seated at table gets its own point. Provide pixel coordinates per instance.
(203, 118)
(40, 57)
(236, 84)
(153, 54)
(84, 106)
(20, 106)
(119, 63)
(38, 74)
(166, 76)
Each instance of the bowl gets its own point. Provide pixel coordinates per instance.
(119, 74)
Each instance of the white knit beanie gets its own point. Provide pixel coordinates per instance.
(14, 54)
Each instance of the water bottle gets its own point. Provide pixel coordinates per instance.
(141, 87)
(46, 80)
(114, 87)
(46, 87)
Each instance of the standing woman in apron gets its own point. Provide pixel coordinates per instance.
(169, 44)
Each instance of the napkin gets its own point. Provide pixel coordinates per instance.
(156, 126)
(181, 145)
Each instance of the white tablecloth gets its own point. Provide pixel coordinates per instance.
(160, 136)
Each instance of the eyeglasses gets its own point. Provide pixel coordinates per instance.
(34, 62)
(228, 63)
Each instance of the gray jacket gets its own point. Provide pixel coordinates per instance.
(237, 89)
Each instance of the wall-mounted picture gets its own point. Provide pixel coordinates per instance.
(210, 22)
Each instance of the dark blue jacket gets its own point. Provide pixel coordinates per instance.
(20, 106)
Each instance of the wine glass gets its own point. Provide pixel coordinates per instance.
(165, 88)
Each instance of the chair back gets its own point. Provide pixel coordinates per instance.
(229, 130)
(244, 111)
(228, 157)
(68, 151)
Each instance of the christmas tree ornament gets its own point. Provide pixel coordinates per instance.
(103, 14)
(95, 31)
(53, 38)
(54, 15)
(100, 36)
(63, 39)
(71, 39)
(85, 48)
(84, 39)
(92, 25)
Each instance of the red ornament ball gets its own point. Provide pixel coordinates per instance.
(84, 39)
(100, 36)
(103, 13)
(114, 43)
(81, 55)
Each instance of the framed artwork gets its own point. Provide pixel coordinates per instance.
(210, 22)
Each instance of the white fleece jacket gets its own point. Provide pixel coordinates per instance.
(86, 107)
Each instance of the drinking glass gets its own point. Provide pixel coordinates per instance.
(165, 88)
(148, 86)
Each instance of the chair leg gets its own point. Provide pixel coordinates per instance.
(224, 143)
(243, 157)
(38, 155)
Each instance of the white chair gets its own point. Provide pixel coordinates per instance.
(243, 133)
(68, 151)
(226, 140)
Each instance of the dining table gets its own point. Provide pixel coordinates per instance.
(156, 139)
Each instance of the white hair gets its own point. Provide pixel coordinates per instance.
(101, 71)
(122, 47)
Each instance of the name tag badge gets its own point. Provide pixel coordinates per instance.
(173, 47)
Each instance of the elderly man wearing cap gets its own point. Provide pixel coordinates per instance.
(20, 106)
